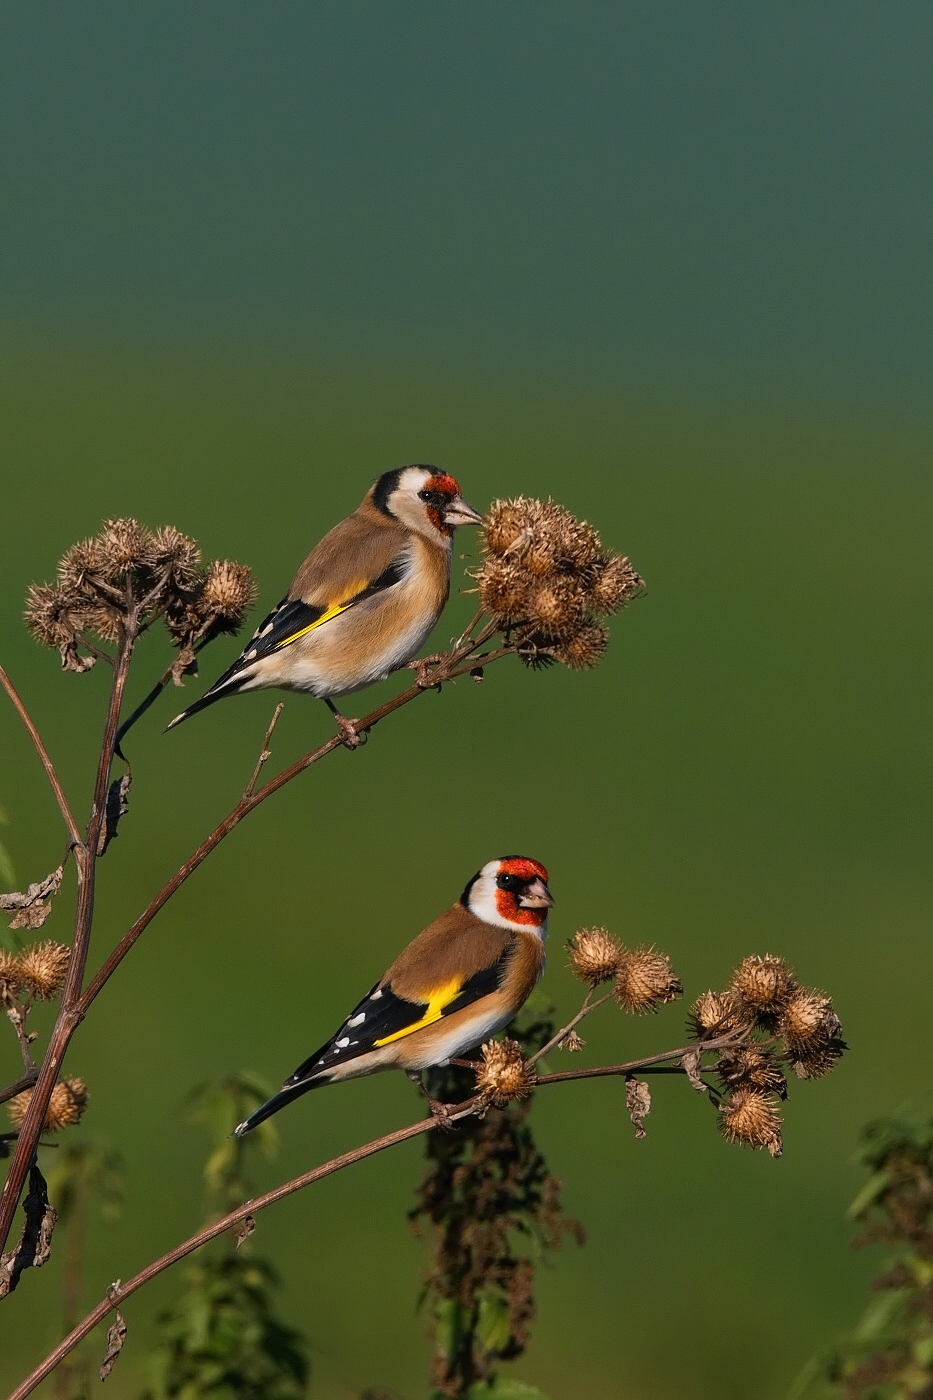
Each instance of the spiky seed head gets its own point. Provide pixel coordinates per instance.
(9, 970)
(576, 543)
(807, 1022)
(612, 583)
(749, 1066)
(572, 1042)
(125, 547)
(229, 591)
(507, 522)
(178, 555)
(818, 1059)
(42, 968)
(503, 1074)
(715, 1014)
(503, 589)
(763, 983)
(52, 615)
(538, 558)
(584, 648)
(66, 1106)
(80, 565)
(595, 956)
(646, 981)
(751, 1117)
(557, 605)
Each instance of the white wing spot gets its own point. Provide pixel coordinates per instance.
(376, 995)
(251, 654)
(357, 1020)
(342, 1043)
(264, 631)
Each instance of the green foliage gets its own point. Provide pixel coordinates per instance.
(889, 1356)
(220, 1337)
(495, 1212)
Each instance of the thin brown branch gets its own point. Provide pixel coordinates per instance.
(602, 1071)
(44, 759)
(266, 752)
(468, 1108)
(19, 1085)
(16, 1015)
(69, 1016)
(458, 666)
(588, 1006)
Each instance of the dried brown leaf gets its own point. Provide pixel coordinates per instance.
(35, 1243)
(244, 1230)
(638, 1103)
(32, 904)
(115, 1339)
(117, 806)
(691, 1067)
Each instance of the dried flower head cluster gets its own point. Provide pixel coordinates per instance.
(548, 580)
(66, 1106)
(127, 572)
(38, 970)
(644, 978)
(773, 1022)
(503, 1074)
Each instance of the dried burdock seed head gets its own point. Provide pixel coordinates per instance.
(715, 1014)
(808, 1023)
(763, 983)
(126, 547)
(749, 1066)
(595, 956)
(751, 1117)
(81, 566)
(176, 555)
(503, 589)
(646, 981)
(819, 1059)
(53, 615)
(506, 523)
(577, 544)
(557, 606)
(9, 971)
(584, 648)
(41, 969)
(66, 1106)
(229, 592)
(612, 583)
(503, 1074)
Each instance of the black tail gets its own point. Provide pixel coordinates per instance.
(227, 685)
(279, 1100)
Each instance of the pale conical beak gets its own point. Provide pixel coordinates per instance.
(536, 896)
(459, 513)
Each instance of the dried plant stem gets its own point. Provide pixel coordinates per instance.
(69, 1016)
(74, 1004)
(588, 1006)
(18, 1085)
(44, 759)
(265, 752)
(469, 1108)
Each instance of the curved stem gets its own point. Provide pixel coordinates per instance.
(44, 759)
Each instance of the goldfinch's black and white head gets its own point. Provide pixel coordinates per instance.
(425, 500)
(510, 891)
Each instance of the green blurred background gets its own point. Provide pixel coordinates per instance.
(668, 263)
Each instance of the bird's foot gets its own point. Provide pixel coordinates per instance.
(350, 735)
(424, 676)
(440, 1112)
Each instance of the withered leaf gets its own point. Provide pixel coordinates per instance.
(32, 905)
(115, 1339)
(185, 664)
(72, 660)
(638, 1103)
(116, 807)
(35, 1243)
(244, 1230)
(691, 1067)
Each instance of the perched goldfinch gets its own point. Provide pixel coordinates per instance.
(364, 601)
(455, 985)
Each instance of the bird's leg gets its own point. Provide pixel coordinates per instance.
(349, 732)
(439, 1111)
(423, 675)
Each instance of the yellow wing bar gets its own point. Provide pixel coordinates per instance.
(435, 1010)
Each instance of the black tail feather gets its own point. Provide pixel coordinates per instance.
(279, 1100)
(227, 685)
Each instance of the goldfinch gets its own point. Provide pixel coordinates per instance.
(455, 985)
(364, 601)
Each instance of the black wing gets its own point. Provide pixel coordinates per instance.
(382, 1017)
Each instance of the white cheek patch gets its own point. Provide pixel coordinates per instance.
(483, 901)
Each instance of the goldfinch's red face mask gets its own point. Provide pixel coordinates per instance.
(510, 891)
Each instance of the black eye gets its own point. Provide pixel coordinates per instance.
(509, 882)
(434, 498)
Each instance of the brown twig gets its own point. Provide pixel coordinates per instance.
(69, 1015)
(468, 1108)
(588, 1006)
(44, 759)
(265, 753)
(19, 1085)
